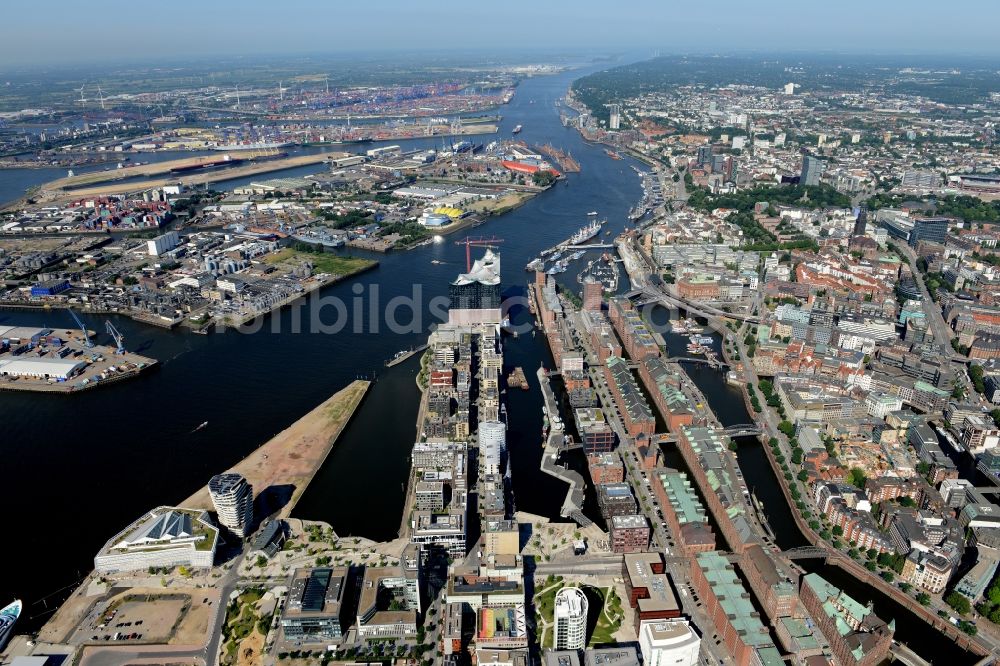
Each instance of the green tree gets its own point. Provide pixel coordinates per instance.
(924, 599)
(959, 602)
(856, 477)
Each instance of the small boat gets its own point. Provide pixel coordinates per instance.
(592, 213)
(8, 616)
(201, 427)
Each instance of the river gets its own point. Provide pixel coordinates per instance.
(81, 467)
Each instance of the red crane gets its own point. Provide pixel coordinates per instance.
(478, 242)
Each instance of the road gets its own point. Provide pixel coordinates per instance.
(942, 332)
(662, 540)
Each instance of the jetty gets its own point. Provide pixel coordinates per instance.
(291, 458)
(573, 504)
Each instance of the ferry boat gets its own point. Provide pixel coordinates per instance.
(8, 616)
(586, 233)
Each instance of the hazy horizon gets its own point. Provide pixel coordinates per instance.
(105, 31)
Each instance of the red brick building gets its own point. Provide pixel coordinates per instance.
(629, 534)
(648, 588)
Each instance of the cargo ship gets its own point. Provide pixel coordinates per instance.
(516, 130)
(8, 616)
(225, 161)
(260, 145)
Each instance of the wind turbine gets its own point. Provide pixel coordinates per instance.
(237, 96)
(101, 94)
(83, 100)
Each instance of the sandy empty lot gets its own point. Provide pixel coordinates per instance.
(292, 457)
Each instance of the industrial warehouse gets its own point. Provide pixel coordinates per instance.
(45, 359)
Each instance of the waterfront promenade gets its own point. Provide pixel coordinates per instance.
(573, 505)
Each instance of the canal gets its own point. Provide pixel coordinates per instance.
(727, 403)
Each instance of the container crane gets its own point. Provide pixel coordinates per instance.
(116, 336)
(478, 242)
(86, 336)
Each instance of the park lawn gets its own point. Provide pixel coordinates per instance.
(322, 262)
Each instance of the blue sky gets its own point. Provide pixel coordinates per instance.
(86, 30)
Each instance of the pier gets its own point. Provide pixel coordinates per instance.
(405, 355)
(287, 463)
(573, 505)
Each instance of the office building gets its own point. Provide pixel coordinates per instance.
(857, 636)
(570, 619)
(615, 117)
(502, 627)
(668, 643)
(595, 434)
(861, 223)
(593, 292)
(492, 442)
(615, 499)
(930, 229)
(386, 607)
(232, 496)
(619, 655)
(164, 537)
(629, 534)
(648, 588)
(812, 170)
(312, 612)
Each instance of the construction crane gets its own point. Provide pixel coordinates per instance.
(86, 336)
(478, 242)
(116, 336)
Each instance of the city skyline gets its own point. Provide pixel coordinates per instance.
(130, 32)
(511, 335)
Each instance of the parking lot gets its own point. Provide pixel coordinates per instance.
(144, 616)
